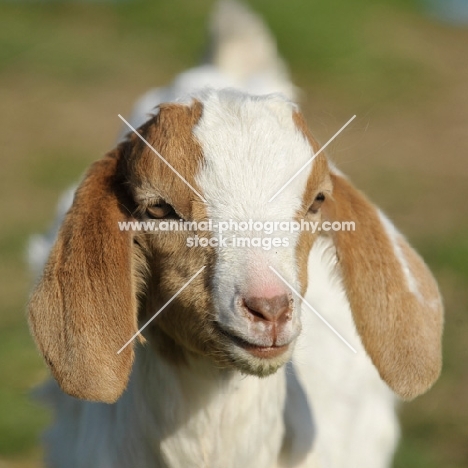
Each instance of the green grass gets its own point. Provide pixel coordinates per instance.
(52, 170)
(68, 68)
(80, 43)
(434, 426)
(450, 255)
(21, 418)
(414, 455)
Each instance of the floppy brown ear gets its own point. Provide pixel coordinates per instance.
(83, 309)
(394, 298)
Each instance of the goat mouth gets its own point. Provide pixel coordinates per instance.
(266, 352)
(263, 352)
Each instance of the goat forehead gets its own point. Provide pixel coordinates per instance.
(251, 148)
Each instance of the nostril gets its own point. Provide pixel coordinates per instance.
(254, 312)
(274, 309)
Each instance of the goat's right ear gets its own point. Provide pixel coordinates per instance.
(83, 309)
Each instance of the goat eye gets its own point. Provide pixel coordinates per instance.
(160, 210)
(319, 199)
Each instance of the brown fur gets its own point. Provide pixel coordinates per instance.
(319, 181)
(184, 326)
(84, 308)
(401, 334)
(170, 133)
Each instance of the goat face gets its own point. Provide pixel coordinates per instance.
(229, 155)
(236, 152)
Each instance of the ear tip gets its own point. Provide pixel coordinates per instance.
(418, 381)
(92, 394)
(102, 378)
(101, 389)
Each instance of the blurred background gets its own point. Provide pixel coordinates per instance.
(68, 68)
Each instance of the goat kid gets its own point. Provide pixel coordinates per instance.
(236, 371)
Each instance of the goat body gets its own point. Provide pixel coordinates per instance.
(232, 373)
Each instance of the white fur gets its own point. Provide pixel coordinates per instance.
(172, 416)
(327, 408)
(238, 177)
(394, 236)
(40, 244)
(353, 408)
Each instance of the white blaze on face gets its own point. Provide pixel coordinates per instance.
(251, 148)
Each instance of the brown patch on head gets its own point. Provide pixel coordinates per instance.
(182, 325)
(170, 133)
(318, 183)
(84, 308)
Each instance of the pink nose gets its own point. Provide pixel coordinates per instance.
(275, 309)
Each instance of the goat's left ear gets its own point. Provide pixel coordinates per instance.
(394, 298)
(83, 309)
